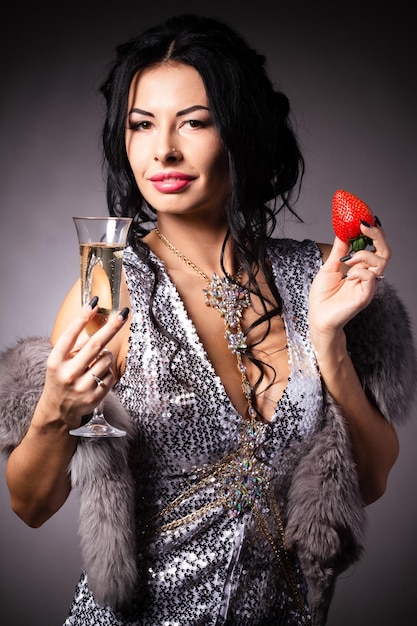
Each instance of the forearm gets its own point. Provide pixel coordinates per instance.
(37, 470)
(36, 415)
(374, 440)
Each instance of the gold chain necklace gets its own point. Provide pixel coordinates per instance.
(230, 298)
(182, 256)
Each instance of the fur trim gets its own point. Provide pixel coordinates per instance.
(326, 516)
(22, 376)
(99, 471)
(381, 344)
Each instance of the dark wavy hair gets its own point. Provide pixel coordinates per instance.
(253, 120)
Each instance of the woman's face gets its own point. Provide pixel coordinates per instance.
(174, 149)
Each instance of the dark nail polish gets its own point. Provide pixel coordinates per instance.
(378, 221)
(366, 224)
(93, 302)
(345, 258)
(124, 313)
(344, 276)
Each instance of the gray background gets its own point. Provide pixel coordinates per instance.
(349, 72)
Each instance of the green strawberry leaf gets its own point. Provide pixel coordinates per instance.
(360, 243)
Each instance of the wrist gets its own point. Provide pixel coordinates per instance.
(48, 419)
(329, 348)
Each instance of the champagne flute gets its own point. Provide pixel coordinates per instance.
(101, 244)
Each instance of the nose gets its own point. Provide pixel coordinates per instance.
(167, 154)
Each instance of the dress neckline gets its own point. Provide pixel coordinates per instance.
(284, 395)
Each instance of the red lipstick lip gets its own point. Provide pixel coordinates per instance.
(161, 176)
(171, 182)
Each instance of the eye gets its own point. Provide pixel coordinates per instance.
(139, 124)
(197, 124)
(194, 123)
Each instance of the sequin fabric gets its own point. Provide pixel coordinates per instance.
(205, 514)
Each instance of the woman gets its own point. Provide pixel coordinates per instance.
(257, 378)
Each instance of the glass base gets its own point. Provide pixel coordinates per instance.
(97, 427)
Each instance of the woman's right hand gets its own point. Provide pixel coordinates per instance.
(75, 363)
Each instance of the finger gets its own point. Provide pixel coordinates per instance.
(338, 251)
(379, 240)
(365, 273)
(69, 340)
(97, 342)
(103, 362)
(105, 356)
(368, 260)
(100, 379)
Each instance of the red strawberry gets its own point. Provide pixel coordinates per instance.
(347, 213)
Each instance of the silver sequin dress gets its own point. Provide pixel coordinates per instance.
(209, 485)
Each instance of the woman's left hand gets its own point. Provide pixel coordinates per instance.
(343, 288)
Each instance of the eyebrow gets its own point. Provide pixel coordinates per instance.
(196, 107)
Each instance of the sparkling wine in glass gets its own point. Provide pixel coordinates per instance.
(101, 244)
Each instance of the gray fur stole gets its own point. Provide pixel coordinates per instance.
(99, 472)
(326, 517)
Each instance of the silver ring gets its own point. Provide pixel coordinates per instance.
(380, 277)
(97, 379)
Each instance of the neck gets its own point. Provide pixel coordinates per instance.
(202, 248)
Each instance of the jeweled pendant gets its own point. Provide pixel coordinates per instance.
(244, 479)
(228, 297)
(235, 341)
